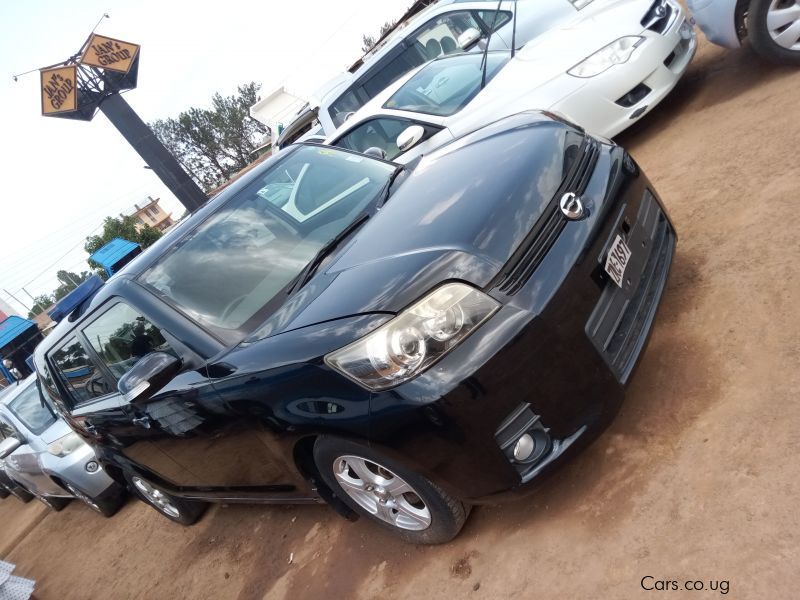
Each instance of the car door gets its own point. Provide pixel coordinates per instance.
(381, 132)
(184, 434)
(23, 465)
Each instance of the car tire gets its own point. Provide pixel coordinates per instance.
(107, 506)
(387, 493)
(185, 512)
(762, 25)
(21, 495)
(4, 493)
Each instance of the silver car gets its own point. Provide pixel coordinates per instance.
(40, 453)
(772, 26)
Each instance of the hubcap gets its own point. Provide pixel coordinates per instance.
(783, 23)
(382, 493)
(82, 497)
(157, 498)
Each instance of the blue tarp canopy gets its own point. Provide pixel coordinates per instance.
(113, 252)
(12, 328)
(72, 300)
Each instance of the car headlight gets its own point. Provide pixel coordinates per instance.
(415, 339)
(615, 53)
(66, 445)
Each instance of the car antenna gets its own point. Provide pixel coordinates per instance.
(485, 61)
(514, 30)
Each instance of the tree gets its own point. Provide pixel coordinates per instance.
(214, 144)
(69, 281)
(40, 304)
(125, 228)
(368, 41)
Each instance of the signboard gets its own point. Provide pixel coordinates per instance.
(58, 90)
(108, 53)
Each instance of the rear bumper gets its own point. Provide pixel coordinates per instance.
(717, 20)
(658, 64)
(539, 350)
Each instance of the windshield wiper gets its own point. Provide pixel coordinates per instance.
(312, 266)
(485, 60)
(384, 194)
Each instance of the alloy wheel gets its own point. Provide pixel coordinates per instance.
(783, 23)
(382, 493)
(157, 498)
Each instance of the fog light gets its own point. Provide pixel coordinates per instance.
(92, 466)
(524, 447)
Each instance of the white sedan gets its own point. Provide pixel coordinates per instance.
(603, 71)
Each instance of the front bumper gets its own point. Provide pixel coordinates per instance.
(603, 105)
(565, 344)
(72, 469)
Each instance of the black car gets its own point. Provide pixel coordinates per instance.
(402, 342)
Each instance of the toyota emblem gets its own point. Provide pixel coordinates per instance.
(571, 206)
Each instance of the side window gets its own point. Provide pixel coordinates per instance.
(378, 133)
(440, 35)
(121, 336)
(492, 17)
(346, 105)
(80, 375)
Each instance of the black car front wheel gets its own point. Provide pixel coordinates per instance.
(388, 493)
(176, 509)
(773, 27)
(107, 506)
(3, 491)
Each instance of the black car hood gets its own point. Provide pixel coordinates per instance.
(458, 216)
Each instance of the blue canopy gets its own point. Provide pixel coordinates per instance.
(12, 328)
(113, 252)
(72, 300)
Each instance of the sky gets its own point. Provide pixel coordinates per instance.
(62, 178)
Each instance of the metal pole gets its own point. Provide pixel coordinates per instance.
(152, 151)
(17, 299)
(29, 296)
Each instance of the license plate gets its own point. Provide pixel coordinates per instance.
(618, 257)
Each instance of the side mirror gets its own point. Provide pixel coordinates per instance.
(150, 374)
(468, 39)
(409, 137)
(8, 445)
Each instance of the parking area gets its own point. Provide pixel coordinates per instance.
(695, 481)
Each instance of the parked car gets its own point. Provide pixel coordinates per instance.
(401, 342)
(604, 93)
(452, 26)
(7, 485)
(771, 26)
(43, 457)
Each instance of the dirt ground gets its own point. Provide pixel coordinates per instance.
(696, 480)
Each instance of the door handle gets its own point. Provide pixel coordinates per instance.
(143, 422)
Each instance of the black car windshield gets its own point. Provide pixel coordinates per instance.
(228, 271)
(29, 408)
(445, 86)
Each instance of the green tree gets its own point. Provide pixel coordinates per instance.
(68, 281)
(121, 227)
(369, 41)
(40, 304)
(214, 144)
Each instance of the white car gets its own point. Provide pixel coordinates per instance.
(602, 72)
(772, 26)
(444, 28)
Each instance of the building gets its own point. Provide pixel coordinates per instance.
(6, 310)
(152, 214)
(18, 338)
